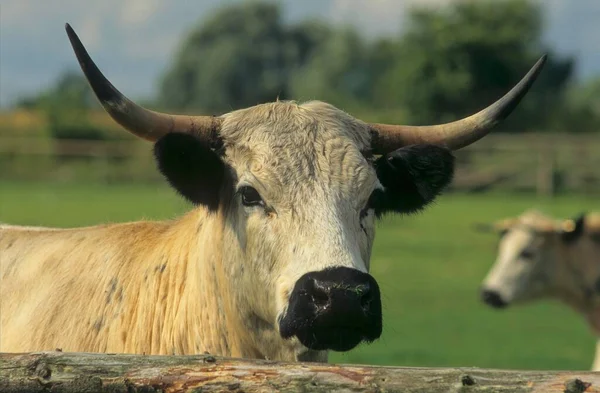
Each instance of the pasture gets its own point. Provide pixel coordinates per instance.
(429, 267)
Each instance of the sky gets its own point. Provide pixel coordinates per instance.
(133, 40)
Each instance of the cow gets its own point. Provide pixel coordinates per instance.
(543, 258)
(273, 260)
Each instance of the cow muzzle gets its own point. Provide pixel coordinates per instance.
(493, 298)
(335, 309)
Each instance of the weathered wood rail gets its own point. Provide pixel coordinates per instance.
(84, 372)
(545, 162)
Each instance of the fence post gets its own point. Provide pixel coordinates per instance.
(546, 174)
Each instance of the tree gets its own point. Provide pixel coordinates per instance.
(582, 108)
(453, 61)
(450, 62)
(336, 72)
(241, 56)
(70, 90)
(66, 106)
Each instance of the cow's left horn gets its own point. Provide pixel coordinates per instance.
(140, 121)
(460, 133)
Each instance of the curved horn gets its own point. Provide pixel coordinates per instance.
(460, 133)
(139, 121)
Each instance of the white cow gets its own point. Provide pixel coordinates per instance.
(540, 258)
(271, 263)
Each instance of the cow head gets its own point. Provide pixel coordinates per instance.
(300, 187)
(531, 260)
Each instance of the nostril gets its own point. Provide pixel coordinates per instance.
(492, 298)
(319, 294)
(366, 297)
(320, 298)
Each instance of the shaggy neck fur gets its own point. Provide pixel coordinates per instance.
(147, 289)
(153, 288)
(579, 268)
(578, 273)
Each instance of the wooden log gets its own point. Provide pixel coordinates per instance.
(84, 372)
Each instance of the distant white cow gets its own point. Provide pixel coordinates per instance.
(539, 257)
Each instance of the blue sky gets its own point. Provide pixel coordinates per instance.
(133, 40)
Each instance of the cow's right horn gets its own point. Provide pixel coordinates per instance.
(142, 122)
(459, 133)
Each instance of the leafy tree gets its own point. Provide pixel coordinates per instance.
(71, 90)
(241, 56)
(337, 72)
(453, 61)
(66, 106)
(581, 112)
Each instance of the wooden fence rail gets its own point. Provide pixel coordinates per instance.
(83, 372)
(543, 162)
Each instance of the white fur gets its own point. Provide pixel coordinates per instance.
(554, 268)
(212, 282)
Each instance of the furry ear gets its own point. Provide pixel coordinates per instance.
(191, 167)
(571, 230)
(413, 176)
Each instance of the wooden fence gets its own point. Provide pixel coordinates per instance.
(81, 372)
(535, 162)
(545, 163)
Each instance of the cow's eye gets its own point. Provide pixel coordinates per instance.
(374, 202)
(527, 254)
(376, 198)
(250, 197)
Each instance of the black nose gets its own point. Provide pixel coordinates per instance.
(493, 298)
(341, 298)
(336, 308)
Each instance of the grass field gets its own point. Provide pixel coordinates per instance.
(429, 268)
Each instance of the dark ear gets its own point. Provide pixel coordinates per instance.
(572, 229)
(413, 176)
(191, 167)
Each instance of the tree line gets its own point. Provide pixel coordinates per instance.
(447, 63)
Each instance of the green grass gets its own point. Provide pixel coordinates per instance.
(429, 268)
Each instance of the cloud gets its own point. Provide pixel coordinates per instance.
(132, 40)
(139, 12)
(385, 15)
(574, 29)
(378, 17)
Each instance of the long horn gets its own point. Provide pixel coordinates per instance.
(460, 133)
(139, 121)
